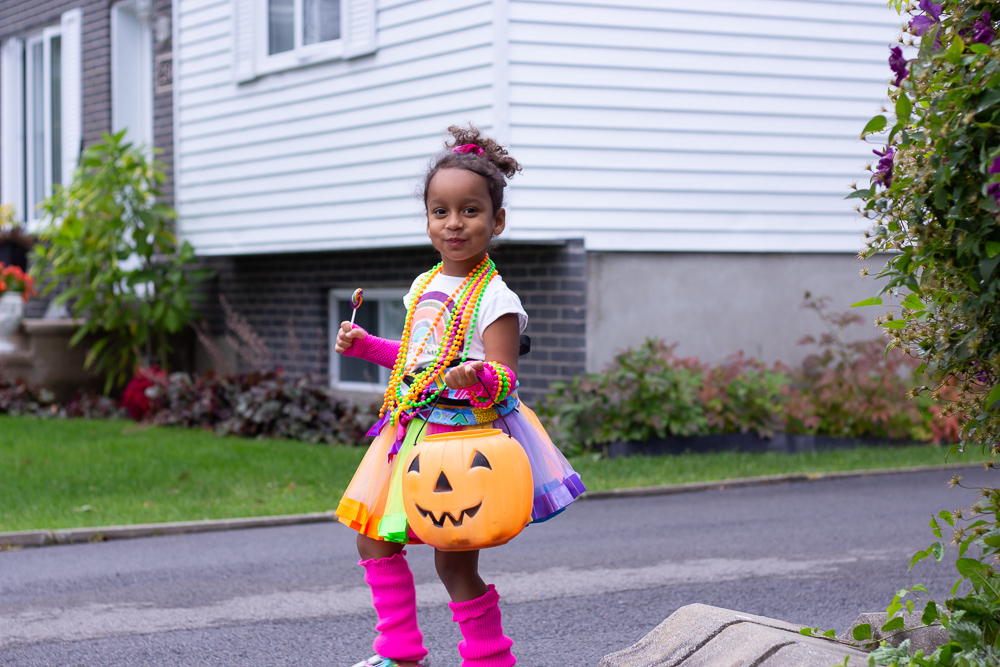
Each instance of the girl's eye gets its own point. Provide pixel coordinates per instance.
(470, 211)
(439, 211)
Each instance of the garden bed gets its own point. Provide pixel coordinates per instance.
(781, 443)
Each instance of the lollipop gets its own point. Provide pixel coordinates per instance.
(356, 300)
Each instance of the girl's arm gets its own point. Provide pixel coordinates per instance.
(353, 341)
(502, 341)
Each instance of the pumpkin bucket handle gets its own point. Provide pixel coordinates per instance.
(496, 407)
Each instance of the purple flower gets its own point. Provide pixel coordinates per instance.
(932, 14)
(883, 173)
(982, 31)
(994, 191)
(897, 63)
(931, 8)
(995, 167)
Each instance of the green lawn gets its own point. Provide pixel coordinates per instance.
(76, 473)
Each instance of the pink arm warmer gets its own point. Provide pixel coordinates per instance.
(374, 349)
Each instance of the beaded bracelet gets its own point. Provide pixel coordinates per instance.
(500, 382)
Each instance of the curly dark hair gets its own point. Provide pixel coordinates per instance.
(494, 165)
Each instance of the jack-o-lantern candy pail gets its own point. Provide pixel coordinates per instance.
(467, 489)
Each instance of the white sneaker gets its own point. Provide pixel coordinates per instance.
(379, 661)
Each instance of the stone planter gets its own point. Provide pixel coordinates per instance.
(784, 443)
(11, 312)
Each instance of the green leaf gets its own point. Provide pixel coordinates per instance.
(894, 324)
(913, 302)
(930, 614)
(992, 248)
(830, 633)
(956, 50)
(946, 515)
(862, 193)
(993, 397)
(862, 632)
(808, 632)
(903, 107)
(981, 49)
(874, 301)
(937, 550)
(895, 623)
(875, 125)
(989, 98)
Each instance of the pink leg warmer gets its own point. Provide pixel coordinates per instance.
(485, 644)
(374, 349)
(395, 600)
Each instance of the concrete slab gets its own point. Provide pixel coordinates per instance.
(699, 635)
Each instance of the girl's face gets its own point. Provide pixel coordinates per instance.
(460, 219)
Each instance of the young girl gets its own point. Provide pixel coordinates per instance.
(460, 341)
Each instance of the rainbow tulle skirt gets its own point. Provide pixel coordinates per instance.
(373, 502)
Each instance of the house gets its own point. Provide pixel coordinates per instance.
(71, 70)
(685, 164)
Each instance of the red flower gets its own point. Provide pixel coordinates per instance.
(134, 398)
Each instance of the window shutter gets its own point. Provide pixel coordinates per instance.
(72, 91)
(357, 27)
(12, 125)
(243, 41)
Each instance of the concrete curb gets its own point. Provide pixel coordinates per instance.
(41, 538)
(764, 480)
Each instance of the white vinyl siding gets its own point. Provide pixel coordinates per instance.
(674, 125)
(327, 156)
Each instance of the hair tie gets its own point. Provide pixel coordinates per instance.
(469, 148)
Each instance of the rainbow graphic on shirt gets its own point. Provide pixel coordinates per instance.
(427, 309)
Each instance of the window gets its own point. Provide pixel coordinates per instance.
(40, 114)
(276, 35)
(381, 314)
(131, 75)
(296, 24)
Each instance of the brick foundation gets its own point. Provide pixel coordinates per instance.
(282, 293)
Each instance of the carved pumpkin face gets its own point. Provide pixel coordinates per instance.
(467, 490)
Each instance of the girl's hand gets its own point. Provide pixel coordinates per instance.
(346, 337)
(463, 376)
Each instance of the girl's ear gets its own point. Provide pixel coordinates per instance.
(499, 222)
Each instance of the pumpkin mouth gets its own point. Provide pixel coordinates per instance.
(468, 512)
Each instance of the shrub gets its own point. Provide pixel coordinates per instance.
(109, 249)
(253, 405)
(745, 396)
(646, 392)
(934, 199)
(856, 389)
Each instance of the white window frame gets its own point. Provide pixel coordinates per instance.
(251, 59)
(301, 54)
(15, 122)
(31, 215)
(338, 295)
(143, 134)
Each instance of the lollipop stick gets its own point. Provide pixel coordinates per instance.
(353, 313)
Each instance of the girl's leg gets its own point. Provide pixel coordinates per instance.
(475, 607)
(395, 601)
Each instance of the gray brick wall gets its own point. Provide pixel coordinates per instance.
(282, 293)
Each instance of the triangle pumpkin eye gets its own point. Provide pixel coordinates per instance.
(414, 464)
(480, 461)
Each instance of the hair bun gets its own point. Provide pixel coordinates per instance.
(492, 151)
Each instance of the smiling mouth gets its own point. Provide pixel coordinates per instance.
(469, 512)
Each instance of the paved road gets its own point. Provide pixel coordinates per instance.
(589, 582)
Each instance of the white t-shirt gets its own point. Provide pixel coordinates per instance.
(498, 300)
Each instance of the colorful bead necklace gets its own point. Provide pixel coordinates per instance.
(454, 344)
